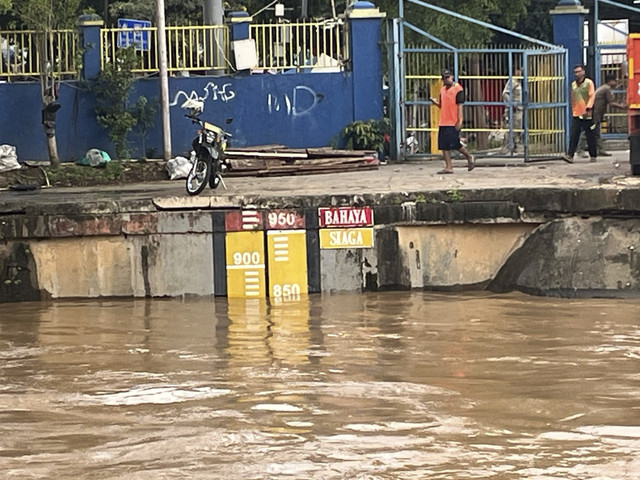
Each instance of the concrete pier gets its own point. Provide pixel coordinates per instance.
(546, 228)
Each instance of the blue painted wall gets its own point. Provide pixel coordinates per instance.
(296, 110)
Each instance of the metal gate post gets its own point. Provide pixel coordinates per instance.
(396, 88)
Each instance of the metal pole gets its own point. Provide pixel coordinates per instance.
(596, 21)
(213, 14)
(164, 81)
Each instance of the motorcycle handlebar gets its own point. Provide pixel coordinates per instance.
(196, 119)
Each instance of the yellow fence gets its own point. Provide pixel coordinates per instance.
(190, 49)
(20, 57)
(301, 45)
(201, 49)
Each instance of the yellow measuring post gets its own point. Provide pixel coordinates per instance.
(287, 257)
(245, 264)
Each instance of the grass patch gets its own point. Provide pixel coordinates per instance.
(78, 175)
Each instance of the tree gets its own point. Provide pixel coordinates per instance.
(177, 12)
(459, 32)
(112, 88)
(44, 17)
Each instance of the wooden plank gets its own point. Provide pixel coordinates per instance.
(336, 161)
(248, 163)
(259, 148)
(329, 152)
(290, 172)
(256, 154)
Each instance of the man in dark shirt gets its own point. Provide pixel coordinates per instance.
(604, 97)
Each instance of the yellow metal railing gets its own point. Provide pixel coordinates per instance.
(20, 57)
(301, 45)
(189, 48)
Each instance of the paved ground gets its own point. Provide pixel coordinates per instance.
(413, 176)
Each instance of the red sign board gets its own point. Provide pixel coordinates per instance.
(345, 217)
(243, 220)
(633, 56)
(284, 220)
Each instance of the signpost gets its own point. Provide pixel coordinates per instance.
(136, 33)
(245, 254)
(346, 227)
(287, 254)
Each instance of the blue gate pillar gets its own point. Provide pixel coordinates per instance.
(89, 26)
(366, 60)
(568, 30)
(239, 23)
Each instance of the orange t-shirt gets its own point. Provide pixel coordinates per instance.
(448, 105)
(582, 96)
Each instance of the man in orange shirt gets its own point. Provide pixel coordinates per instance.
(583, 94)
(450, 103)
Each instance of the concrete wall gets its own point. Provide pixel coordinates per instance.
(306, 110)
(173, 254)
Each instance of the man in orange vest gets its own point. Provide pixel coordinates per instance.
(450, 104)
(583, 94)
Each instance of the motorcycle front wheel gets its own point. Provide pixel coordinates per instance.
(199, 176)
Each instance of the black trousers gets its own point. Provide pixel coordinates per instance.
(578, 125)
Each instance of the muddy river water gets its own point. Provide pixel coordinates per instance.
(395, 385)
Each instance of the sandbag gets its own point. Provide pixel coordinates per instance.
(8, 158)
(94, 158)
(179, 167)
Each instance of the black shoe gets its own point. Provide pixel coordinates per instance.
(604, 154)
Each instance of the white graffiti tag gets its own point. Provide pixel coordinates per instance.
(223, 93)
(304, 100)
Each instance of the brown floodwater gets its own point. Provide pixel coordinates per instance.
(395, 385)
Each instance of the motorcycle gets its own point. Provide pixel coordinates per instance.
(208, 151)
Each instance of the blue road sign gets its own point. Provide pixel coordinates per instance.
(136, 36)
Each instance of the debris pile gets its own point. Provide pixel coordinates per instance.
(276, 160)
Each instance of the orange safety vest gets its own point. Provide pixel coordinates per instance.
(448, 105)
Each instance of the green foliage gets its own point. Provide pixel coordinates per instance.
(455, 195)
(5, 5)
(177, 12)
(144, 111)
(112, 89)
(459, 32)
(365, 135)
(45, 15)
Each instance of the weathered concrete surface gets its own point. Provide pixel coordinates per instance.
(576, 256)
(549, 228)
(137, 266)
(449, 256)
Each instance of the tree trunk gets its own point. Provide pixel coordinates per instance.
(48, 93)
(52, 146)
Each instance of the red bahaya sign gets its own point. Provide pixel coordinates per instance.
(345, 217)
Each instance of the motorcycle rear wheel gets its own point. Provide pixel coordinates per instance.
(198, 177)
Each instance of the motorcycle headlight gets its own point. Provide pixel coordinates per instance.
(210, 137)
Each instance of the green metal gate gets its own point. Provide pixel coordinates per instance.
(489, 129)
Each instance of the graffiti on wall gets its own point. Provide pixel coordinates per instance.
(212, 92)
(301, 102)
